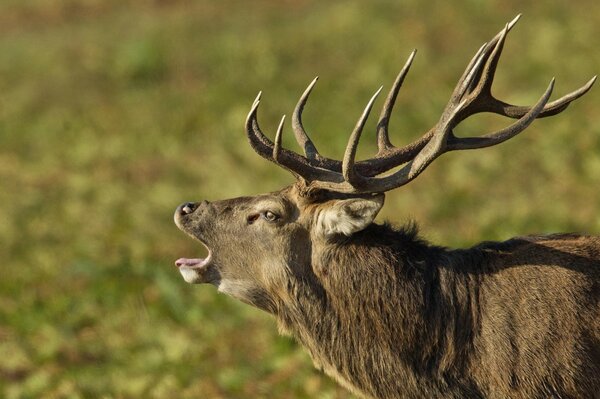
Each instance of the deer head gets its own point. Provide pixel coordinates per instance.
(264, 250)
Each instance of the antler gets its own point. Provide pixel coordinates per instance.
(472, 95)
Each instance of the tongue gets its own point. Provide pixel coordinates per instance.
(189, 262)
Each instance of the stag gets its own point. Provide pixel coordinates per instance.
(380, 310)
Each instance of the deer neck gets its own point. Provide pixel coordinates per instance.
(380, 305)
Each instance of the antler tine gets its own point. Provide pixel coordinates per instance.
(479, 93)
(291, 161)
(483, 53)
(484, 101)
(469, 143)
(348, 171)
(470, 72)
(479, 74)
(489, 71)
(257, 99)
(514, 21)
(383, 139)
(277, 144)
(259, 142)
(310, 151)
(501, 36)
(553, 108)
(494, 48)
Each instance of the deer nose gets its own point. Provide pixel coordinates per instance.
(187, 208)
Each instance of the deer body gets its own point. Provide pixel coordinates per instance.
(384, 313)
(388, 315)
(492, 321)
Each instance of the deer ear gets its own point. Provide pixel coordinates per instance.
(348, 216)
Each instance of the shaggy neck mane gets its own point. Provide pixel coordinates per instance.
(383, 296)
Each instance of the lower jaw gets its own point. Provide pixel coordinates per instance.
(204, 275)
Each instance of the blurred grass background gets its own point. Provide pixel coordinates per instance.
(113, 112)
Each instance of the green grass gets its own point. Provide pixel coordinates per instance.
(114, 112)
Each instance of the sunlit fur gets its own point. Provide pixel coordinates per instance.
(388, 315)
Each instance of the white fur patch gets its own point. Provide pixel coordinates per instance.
(190, 275)
(235, 288)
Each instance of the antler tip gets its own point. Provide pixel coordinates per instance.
(252, 113)
(586, 87)
(257, 99)
(411, 57)
(279, 130)
(277, 143)
(550, 87)
(514, 21)
(544, 99)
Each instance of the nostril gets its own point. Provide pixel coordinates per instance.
(187, 208)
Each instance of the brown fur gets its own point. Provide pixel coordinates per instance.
(389, 316)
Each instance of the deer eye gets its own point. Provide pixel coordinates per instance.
(270, 216)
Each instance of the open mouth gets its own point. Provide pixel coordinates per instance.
(195, 263)
(193, 270)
